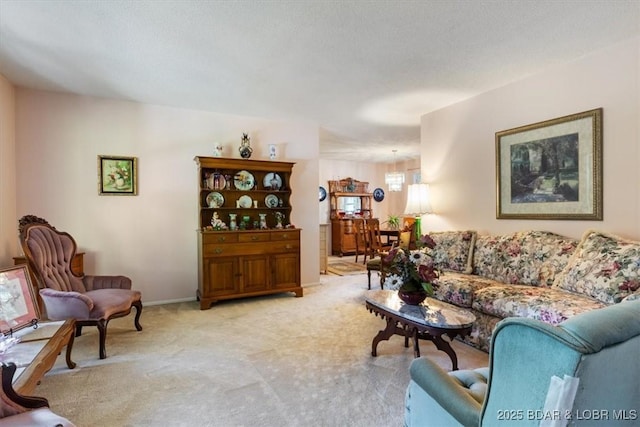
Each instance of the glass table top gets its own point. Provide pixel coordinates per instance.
(431, 312)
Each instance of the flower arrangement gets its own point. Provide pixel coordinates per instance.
(412, 271)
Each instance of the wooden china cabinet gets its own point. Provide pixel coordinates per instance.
(246, 246)
(349, 199)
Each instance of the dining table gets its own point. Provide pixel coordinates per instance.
(390, 236)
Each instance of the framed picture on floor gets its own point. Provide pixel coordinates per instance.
(551, 169)
(18, 306)
(117, 176)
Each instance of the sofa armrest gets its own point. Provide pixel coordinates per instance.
(93, 283)
(61, 305)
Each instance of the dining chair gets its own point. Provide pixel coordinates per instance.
(376, 244)
(361, 238)
(406, 241)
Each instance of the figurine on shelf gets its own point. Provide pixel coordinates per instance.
(279, 219)
(263, 221)
(217, 223)
(245, 147)
(217, 150)
(233, 225)
(272, 151)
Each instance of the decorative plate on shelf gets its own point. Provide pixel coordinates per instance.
(245, 202)
(215, 200)
(244, 180)
(322, 194)
(272, 181)
(378, 194)
(216, 181)
(271, 201)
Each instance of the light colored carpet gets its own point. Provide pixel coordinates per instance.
(267, 361)
(345, 268)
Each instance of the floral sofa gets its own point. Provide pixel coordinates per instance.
(533, 274)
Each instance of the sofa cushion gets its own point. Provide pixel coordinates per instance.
(604, 266)
(459, 289)
(548, 305)
(524, 258)
(454, 250)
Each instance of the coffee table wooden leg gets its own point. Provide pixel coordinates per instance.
(383, 335)
(70, 363)
(407, 335)
(416, 345)
(442, 345)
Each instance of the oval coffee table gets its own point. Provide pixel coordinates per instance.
(428, 321)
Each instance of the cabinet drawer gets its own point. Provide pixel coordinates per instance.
(219, 237)
(282, 247)
(253, 237)
(285, 235)
(237, 249)
(240, 249)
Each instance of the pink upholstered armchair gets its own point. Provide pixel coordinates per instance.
(91, 300)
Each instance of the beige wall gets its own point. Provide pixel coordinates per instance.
(150, 237)
(458, 142)
(8, 223)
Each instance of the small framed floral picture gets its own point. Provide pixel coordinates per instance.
(117, 176)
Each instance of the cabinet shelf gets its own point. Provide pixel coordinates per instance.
(259, 208)
(208, 190)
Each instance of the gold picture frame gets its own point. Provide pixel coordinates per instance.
(117, 176)
(551, 169)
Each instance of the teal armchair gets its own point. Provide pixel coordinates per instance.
(600, 348)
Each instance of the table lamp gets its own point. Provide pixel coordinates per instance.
(418, 204)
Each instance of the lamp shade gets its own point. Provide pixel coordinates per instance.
(418, 200)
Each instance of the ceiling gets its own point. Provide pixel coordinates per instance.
(363, 71)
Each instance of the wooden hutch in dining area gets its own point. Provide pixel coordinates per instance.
(349, 199)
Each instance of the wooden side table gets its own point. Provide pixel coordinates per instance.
(77, 266)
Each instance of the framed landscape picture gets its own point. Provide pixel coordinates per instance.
(551, 169)
(18, 307)
(117, 176)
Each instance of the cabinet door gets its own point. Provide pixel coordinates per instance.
(285, 270)
(348, 243)
(221, 276)
(255, 273)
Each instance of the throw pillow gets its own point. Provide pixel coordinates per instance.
(603, 266)
(454, 250)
